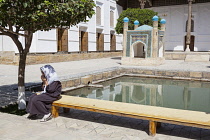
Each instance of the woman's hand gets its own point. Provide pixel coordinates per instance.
(44, 80)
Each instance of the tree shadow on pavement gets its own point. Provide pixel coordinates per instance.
(9, 93)
(137, 124)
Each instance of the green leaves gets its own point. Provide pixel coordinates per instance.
(33, 15)
(25, 5)
(39, 6)
(144, 16)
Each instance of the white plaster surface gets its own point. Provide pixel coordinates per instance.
(176, 17)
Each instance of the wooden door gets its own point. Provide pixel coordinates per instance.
(112, 42)
(63, 40)
(97, 41)
(84, 41)
(100, 42)
(192, 42)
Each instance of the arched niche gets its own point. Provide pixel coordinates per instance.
(138, 94)
(138, 50)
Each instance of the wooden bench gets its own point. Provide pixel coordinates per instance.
(151, 113)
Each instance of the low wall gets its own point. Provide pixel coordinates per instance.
(11, 58)
(123, 71)
(181, 55)
(7, 57)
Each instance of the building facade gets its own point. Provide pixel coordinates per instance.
(176, 14)
(96, 35)
(176, 27)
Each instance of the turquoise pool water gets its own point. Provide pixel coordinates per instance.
(179, 94)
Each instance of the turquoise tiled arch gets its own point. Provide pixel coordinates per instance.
(133, 36)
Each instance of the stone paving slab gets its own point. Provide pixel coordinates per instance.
(83, 125)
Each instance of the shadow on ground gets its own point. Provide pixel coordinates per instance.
(138, 124)
(118, 58)
(9, 93)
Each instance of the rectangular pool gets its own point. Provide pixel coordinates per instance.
(178, 94)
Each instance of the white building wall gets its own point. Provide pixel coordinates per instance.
(119, 37)
(93, 29)
(1, 45)
(92, 33)
(203, 27)
(119, 42)
(7, 44)
(73, 39)
(101, 28)
(176, 17)
(106, 23)
(46, 41)
(34, 43)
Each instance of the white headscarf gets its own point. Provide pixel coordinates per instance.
(49, 73)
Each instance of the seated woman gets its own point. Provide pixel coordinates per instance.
(41, 102)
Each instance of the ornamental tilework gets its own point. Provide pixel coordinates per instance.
(143, 36)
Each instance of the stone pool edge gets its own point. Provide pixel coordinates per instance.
(110, 73)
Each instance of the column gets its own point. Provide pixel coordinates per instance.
(136, 24)
(189, 26)
(125, 29)
(155, 37)
(163, 28)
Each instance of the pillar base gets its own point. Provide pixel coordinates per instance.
(187, 48)
(142, 61)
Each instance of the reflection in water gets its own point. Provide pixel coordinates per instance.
(154, 92)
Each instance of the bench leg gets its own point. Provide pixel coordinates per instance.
(66, 110)
(55, 111)
(158, 124)
(152, 128)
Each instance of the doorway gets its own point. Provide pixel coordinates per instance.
(62, 40)
(84, 41)
(112, 42)
(192, 42)
(138, 50)
(100, 41)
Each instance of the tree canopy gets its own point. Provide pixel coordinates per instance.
(144, 16)
(34, 15)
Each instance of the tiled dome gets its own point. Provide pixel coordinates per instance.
(144, 27)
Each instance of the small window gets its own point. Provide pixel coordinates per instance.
(98, 15)
(111, 19)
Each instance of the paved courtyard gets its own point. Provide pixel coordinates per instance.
(83, 125)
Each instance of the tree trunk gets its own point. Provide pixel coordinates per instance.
(21, 70)
(21, 81)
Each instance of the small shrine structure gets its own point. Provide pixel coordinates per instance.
(144, 45)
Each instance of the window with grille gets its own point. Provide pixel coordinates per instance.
(98, 15)
(111, 19)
